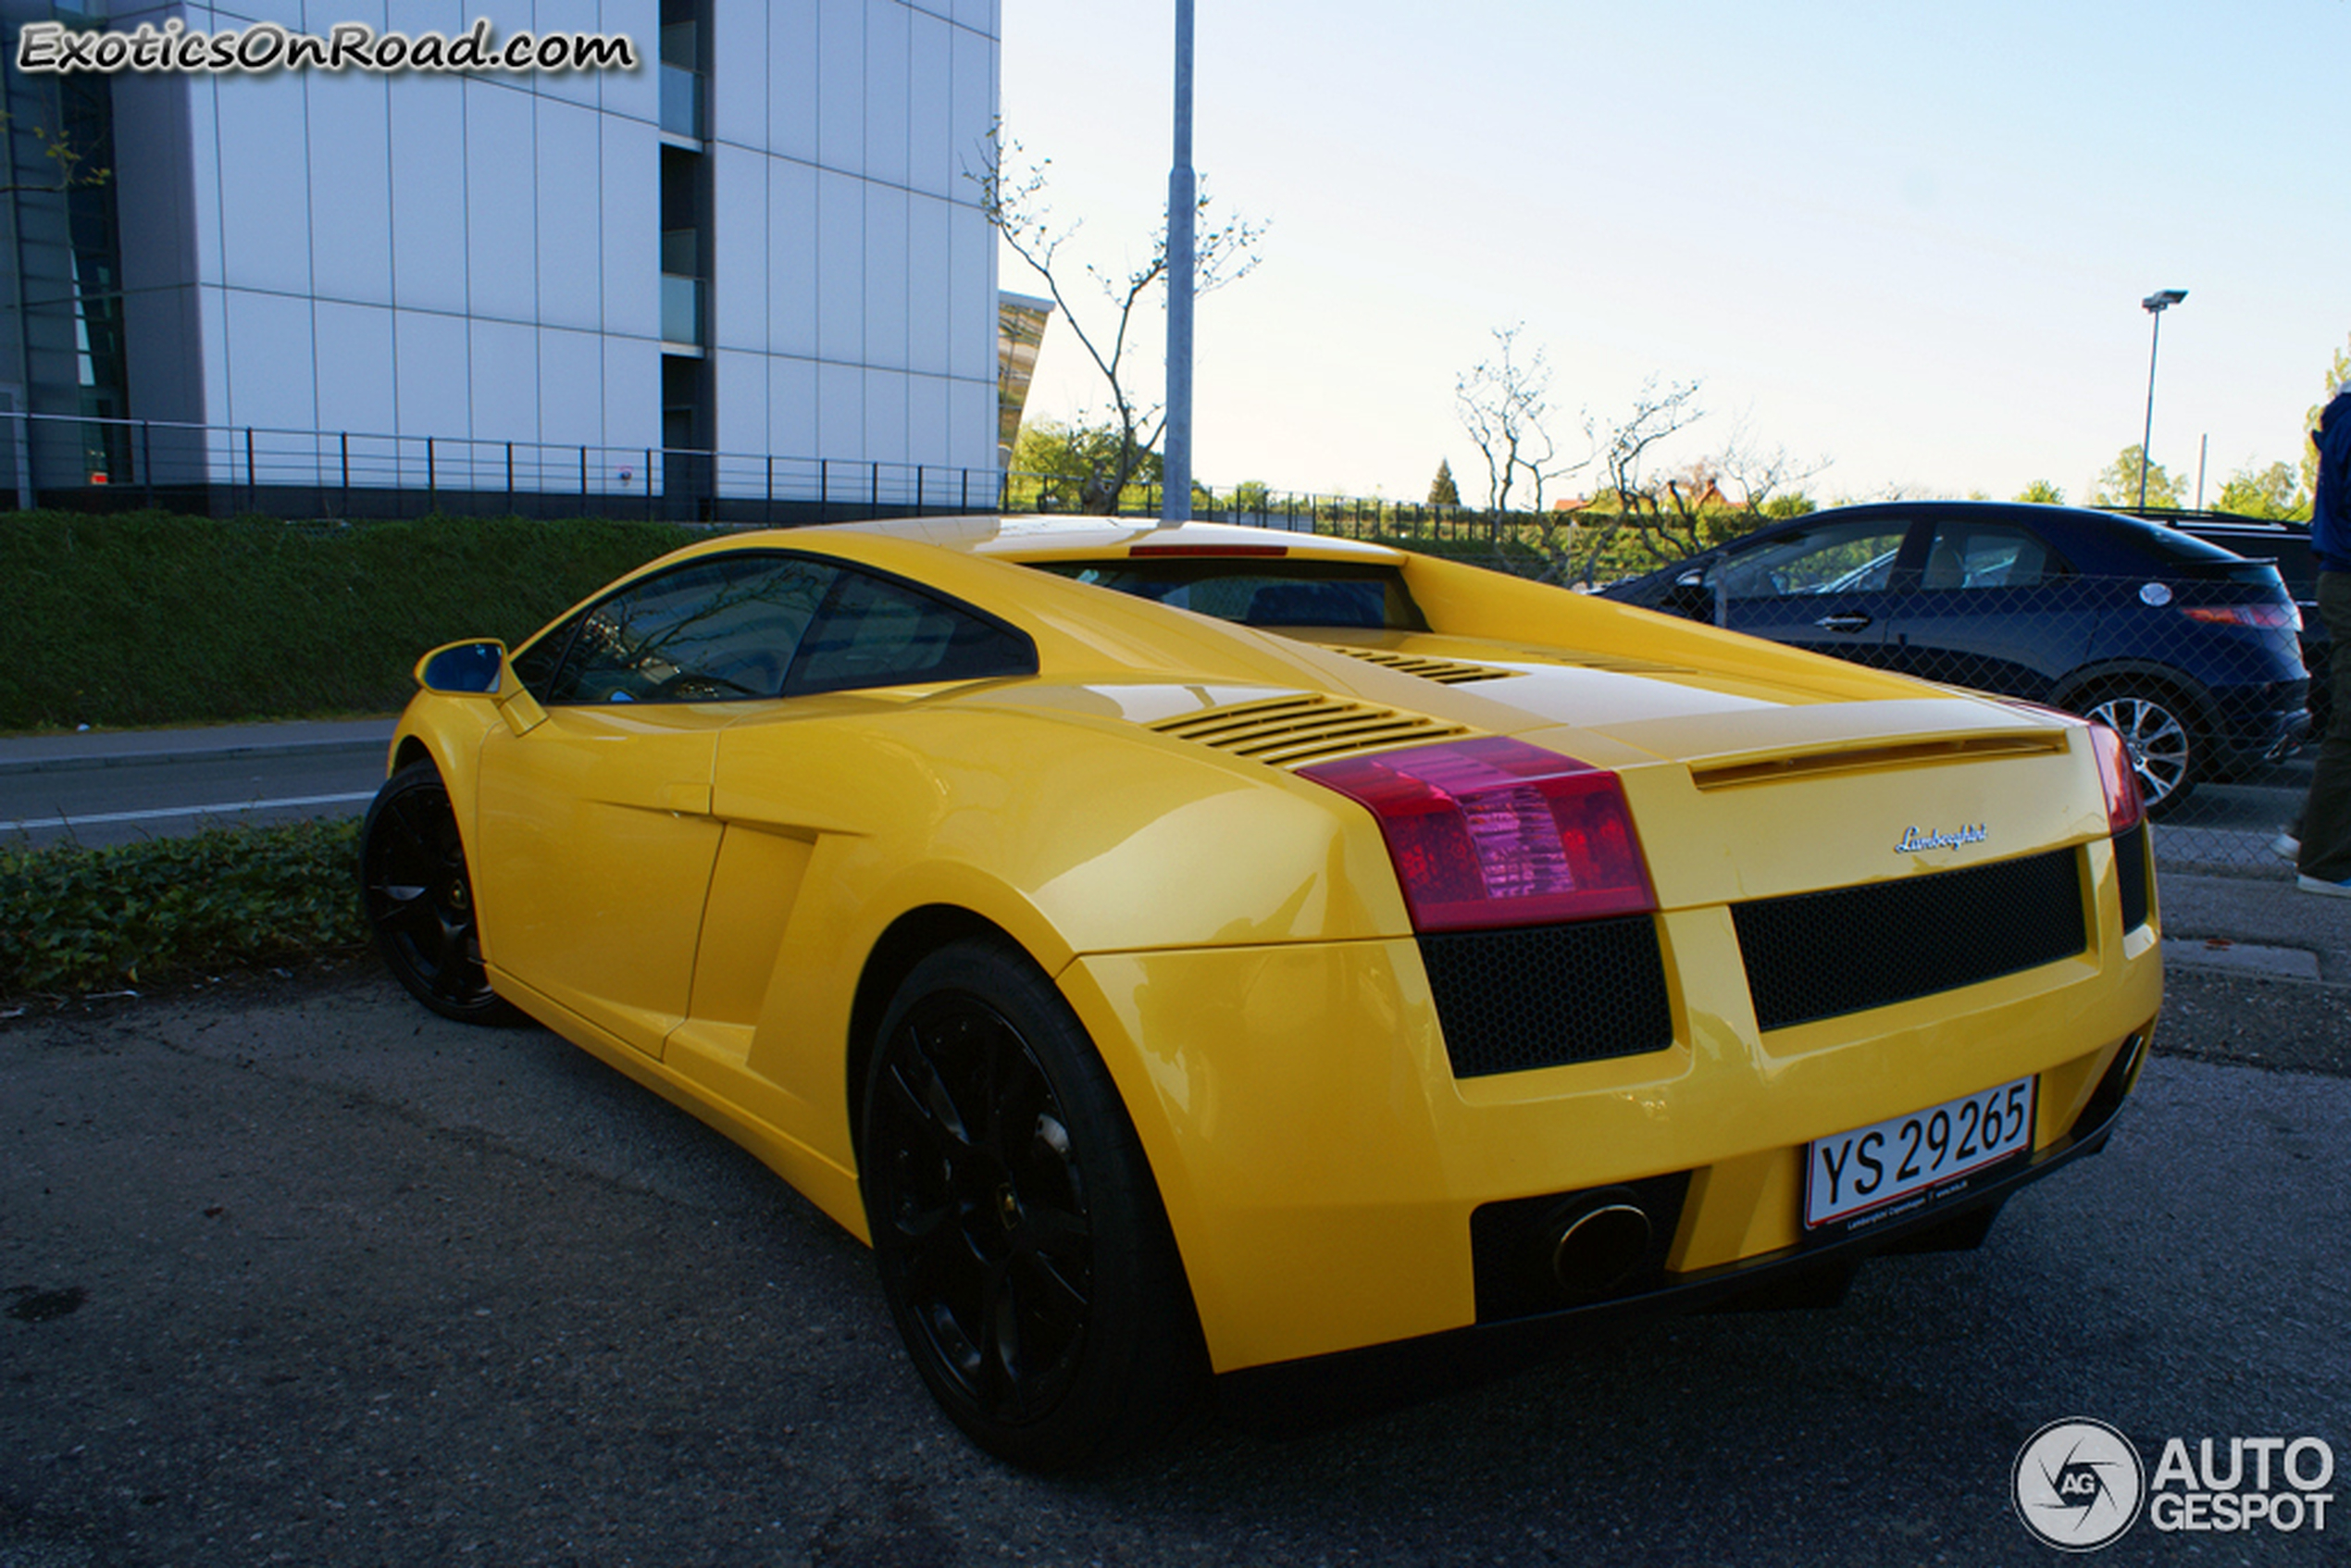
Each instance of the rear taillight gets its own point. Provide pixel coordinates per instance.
(2118, 779)
(2269, 617)
(1496, 832)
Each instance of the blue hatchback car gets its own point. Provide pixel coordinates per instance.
(2187, 650)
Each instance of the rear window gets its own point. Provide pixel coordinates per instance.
(1256, 592)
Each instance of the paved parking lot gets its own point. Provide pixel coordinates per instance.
(304, 1275)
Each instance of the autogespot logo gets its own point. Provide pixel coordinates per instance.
(2078, 1485)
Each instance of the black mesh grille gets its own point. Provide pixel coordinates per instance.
(2133, 877)
(1818, 955)
(1539, 996)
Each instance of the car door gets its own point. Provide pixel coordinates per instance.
(799, 784)
(596, 831)
(1826, 587)
(1996, 609)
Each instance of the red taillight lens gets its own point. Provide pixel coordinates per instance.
(1496, 832)
(2273, 617)
(2121, 781)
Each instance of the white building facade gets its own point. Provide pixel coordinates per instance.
(758, 247)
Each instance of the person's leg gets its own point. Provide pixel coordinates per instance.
(2326, 818)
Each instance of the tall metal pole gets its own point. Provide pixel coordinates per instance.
(2154, 341)
(2155, 305)
(1176, 465)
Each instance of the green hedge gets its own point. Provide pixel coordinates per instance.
(75, 919)
(149, 619)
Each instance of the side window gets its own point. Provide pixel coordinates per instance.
(876, 632)
(1988, 555)
(535, 666)
(721, 629)
(1838, 558)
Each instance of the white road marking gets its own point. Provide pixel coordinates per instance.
(31, 824)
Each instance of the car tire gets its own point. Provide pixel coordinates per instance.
(1020, 1239)
(2158, 729)
(417, 896)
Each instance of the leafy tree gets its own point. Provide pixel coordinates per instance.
(1082, 467)
(2337, 373)
(2041, 492)
(1795, 503)
(1252, 496)
(2274, 492)
(2118, 485)
(70, 165)
(1013, 195)
(1442, 492)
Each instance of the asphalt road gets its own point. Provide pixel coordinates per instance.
(305, 1274)
(113, 799)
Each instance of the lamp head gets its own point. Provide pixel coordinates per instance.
(2162, 300)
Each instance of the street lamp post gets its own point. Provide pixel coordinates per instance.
(1175, 461)
(2155, 305)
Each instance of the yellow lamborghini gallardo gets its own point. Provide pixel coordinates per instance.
(1187, 953)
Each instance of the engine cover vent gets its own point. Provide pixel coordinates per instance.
(1445, 672)
(1284, 731)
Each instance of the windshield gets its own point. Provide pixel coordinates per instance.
(1261, 593)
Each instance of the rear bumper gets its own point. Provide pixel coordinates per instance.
(1802, 1275)
(2258, 722)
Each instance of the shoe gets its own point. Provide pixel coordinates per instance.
(2325, 890)
(2285, 846)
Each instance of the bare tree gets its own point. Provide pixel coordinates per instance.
(1013, 192)
(1573, 547)
(1717, 497)
(1761, 476)
(1504, 403)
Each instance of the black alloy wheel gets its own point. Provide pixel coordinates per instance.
(418, 899)
(1021, 1241)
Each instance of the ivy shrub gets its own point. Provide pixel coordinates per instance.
(78, 920)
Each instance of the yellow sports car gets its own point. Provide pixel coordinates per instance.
(1186, 951)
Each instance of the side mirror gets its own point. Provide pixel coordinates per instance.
(463, 669)
(478, 667)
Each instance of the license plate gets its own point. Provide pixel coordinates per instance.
(1907, 1162)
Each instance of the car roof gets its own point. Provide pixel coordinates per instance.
(1050, 537)
(2073, 527)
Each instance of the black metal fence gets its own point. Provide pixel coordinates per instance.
(217, 470)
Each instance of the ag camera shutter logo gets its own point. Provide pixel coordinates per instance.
(2078, 1485)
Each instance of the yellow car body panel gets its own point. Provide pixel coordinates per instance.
(695, 890)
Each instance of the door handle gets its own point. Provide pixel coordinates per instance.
(1842, 623)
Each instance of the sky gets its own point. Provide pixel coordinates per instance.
(1907, 241)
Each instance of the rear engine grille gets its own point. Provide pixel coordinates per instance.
(1539, 996)
(1285, 732)
(1819, 955)
(1445, 672)
(2133, 877)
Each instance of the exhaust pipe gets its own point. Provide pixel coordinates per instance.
(1599, 1246)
